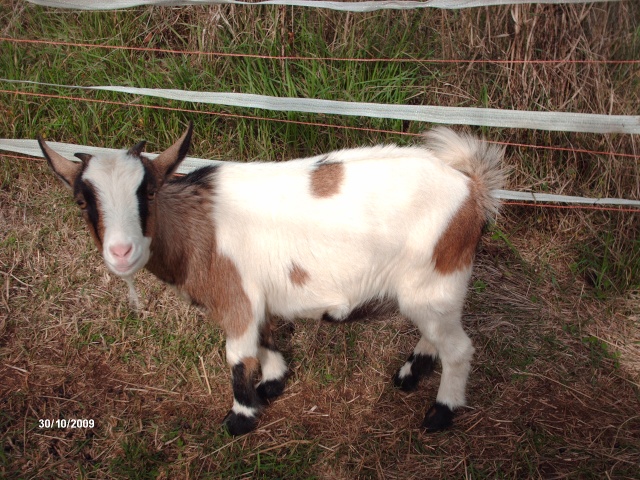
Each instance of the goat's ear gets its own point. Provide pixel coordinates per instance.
(85, 157)
(137, 149)
(168, 161)
(66, 170)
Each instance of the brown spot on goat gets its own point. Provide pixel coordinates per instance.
(251, 365)
(184, 245)
(456, 247)
(298, 275)
(326, 179)
(266, 335)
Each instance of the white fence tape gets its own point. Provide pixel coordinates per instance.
(550, 198)
(343, 6)
(30, 147)
(487, 117)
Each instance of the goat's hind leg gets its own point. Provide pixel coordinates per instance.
(455, 352)
(442, 334)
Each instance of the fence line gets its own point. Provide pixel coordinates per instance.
(232, 115)
(360, 7)
(437, 61)
(31, 147)
(574, 207)
(511, 203)
(314, 124)
(486, 117)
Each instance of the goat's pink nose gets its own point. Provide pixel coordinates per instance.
(121, 250)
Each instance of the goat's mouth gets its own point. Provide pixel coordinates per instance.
(127, 268)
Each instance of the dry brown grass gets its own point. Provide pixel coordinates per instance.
(555, 387)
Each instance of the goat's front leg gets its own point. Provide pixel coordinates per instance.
(242, 356)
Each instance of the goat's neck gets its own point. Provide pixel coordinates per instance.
(184, 238)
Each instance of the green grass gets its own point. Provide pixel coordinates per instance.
(604, 268)
(84, 122)
(137, 461)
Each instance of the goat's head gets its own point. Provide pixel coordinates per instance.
(116, 194)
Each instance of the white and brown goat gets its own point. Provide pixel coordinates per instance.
(316, 238)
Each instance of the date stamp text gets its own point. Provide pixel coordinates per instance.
(66, 423)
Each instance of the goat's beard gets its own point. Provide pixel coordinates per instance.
(134, 300)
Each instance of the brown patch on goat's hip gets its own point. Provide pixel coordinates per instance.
(457, 245)
(326, 179)
(298, 275)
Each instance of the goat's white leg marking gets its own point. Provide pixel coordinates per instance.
(274, 367)
(455, 354)
(243, 346)
(455, 351)
(405, 370)
(274, 370)
(241, 409)
(444, 332)
(272, 364)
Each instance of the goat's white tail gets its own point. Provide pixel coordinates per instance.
(480, 160)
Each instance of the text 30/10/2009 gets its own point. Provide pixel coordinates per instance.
(66, 423)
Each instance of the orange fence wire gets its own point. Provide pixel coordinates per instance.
(327, 59)
(326, 125)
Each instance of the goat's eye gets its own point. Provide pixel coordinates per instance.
(81, 203)
(151, 195)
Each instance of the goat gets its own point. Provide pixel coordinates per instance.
(316, 238)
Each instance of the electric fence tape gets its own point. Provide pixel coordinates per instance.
(31, 147)
(342, 6)
(487, 117)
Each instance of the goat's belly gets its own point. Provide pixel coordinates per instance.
(325, 298)
(333, 310)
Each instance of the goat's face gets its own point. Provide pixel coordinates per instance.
(117, 194)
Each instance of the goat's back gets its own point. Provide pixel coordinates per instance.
(348, 226)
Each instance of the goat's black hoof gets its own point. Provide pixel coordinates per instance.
(239, 424)
(270, 389)
(439, 417)
(407, 383)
